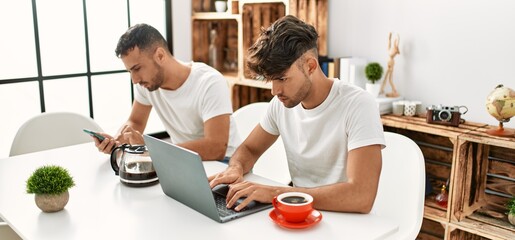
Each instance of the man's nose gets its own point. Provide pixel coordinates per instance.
(276, 88)
(135, 78)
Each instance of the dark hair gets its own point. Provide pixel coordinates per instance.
(279, 46)
(144, 36)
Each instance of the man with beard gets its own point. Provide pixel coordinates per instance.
(191, 99)
(332, 132)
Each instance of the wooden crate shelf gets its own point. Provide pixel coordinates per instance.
(438, 145)
(215, 16)
(474, 229)
(481, 173)
(208, 7)
(244, 94)
(256, 16)
(419, 124)
(225, 43)
(238, 28)
(485, 182)
(431, 230)
(463, 234)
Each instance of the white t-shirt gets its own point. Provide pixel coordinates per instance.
(183, 111)
(317, 140)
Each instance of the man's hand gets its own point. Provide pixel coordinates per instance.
(232, 174)
(126, 135)
(252, 192)
(238, 188)
(131, 136)
(107, 145)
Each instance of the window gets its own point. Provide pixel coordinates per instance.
(59, 55)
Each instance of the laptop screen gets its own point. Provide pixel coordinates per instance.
(182, 177)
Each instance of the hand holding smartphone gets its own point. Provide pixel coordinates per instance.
(94, 134)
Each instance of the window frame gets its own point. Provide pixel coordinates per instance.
(88, 74)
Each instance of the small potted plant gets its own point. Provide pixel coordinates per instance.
(50, 184)
(373, 72)
(510, 206)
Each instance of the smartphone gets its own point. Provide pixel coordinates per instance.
(94, 134)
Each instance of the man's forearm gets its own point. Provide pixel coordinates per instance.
(342, 197)
(138, 127)
(244, 158)
(207, 149)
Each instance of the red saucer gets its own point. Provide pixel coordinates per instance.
(311, 220)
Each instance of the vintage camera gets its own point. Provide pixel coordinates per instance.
(444, 115)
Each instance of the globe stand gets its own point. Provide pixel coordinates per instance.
(501, 132)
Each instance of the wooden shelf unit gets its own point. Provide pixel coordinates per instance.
(481, 172)
(238, 28)
(485, 182)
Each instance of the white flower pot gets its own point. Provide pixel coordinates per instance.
(221, 6)
(373, 89)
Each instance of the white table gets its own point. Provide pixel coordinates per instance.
(100, 207)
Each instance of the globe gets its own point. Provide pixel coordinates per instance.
(500, 103)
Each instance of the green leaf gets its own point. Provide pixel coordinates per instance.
(373, 72)
(510, 206)
(49, 180)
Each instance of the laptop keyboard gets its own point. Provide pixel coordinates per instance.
(220, 194)
(222, 206)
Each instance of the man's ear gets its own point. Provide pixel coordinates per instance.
(312, 64)
(159, 55)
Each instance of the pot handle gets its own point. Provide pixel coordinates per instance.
(114, 164)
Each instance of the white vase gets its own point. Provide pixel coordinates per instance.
(221, 6)
(373, 88)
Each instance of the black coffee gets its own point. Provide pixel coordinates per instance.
(139, 174)
(294, 200)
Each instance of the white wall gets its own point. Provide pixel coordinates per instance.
(453, 52)
(181, 14)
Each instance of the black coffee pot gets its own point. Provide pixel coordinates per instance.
(133, 165)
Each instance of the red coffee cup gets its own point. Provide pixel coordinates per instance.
(293, 206)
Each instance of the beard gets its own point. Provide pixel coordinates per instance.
(300, 95)
(157, 80)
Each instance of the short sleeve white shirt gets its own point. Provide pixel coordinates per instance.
(317, 140)
(204, 95)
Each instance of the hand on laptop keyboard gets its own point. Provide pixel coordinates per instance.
(223, 189)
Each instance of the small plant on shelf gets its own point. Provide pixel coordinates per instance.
(50, 184)
(510, 206)
(373, 72)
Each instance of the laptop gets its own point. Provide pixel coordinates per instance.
(183, 178)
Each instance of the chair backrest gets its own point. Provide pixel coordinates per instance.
(7, 233)
(273, 163)
(52, 130)
(400, 196)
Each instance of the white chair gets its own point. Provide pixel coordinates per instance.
(46, 131)
(6, 233)
(273, 163)
(52, 130)
(400, 196)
